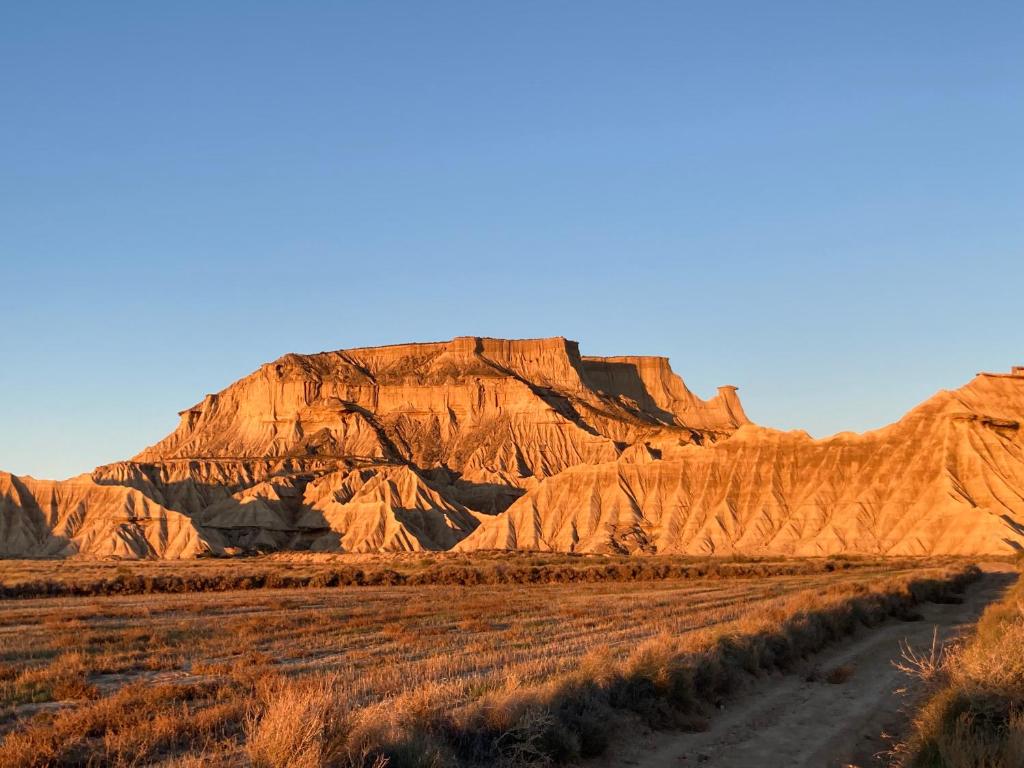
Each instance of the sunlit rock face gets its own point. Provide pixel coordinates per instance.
(393, 448)
(948, 478)
(481, 443)
(60, 518)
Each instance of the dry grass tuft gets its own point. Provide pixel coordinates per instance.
(925, 665)
(975, 716)
(297, 725)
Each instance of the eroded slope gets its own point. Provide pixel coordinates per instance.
(401, 447)
(485, 443)
(948, 478)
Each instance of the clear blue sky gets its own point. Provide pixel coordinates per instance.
(820, 202)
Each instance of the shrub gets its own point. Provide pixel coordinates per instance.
(298, 725)
(975, 716)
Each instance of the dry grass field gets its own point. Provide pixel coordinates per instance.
(975, 715)
(439, 674)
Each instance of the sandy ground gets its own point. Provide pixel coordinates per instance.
(787, 721)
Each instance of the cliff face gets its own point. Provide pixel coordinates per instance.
(485, 443)
(948, 478)
(484, 408)
(386, 448)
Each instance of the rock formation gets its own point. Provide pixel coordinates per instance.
(484, 443)
(389, 448)
(60, 518)
(948, 478)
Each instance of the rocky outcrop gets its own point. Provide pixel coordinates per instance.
(481, 443)
(47, 518)
(948, 478)
(404, 447)
(649, 385)
(489, 410)
(383, 509)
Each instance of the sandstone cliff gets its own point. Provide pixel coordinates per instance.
(386, 448)
(483, 443)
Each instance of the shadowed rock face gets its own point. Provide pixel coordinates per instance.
(60, 518)
(426, 446)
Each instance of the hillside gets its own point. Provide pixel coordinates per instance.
(948, 478)
(481, 443)
(392, 448)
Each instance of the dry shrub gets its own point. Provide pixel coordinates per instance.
(598, 663)
(958, 730)
(480, 568)
(975, 716)
(300, 724)
(927, 664)
(523, 744)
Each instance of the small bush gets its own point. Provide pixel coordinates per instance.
(298, 725)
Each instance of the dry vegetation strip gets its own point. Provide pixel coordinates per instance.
(28, 578)
(975, 717)
(438, 675)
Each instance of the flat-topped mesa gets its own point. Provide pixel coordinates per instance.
(441, 404)
(432, 434)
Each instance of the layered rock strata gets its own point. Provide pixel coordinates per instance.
(481, 443)
(384, 448)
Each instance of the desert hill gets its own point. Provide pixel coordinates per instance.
(948, 478)
(481, 443)
(389, 448)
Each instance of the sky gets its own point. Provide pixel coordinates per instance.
(821, 203)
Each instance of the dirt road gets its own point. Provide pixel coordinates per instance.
(787, 721)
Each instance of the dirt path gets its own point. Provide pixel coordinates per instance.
(787, 721)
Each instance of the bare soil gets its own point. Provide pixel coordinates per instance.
(847, 709)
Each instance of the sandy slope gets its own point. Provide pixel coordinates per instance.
(947, 478)
(788, 722)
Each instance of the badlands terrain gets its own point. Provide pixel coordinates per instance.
(485, 553)
(481, 444)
